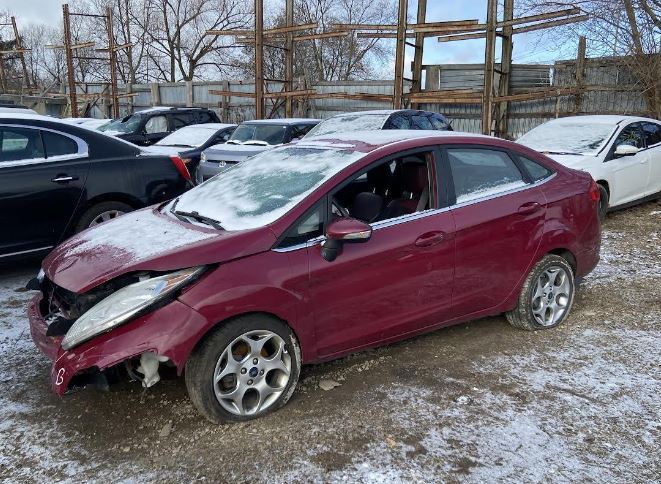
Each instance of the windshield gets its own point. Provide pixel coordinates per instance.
(349, 122)
(263, 188)
(128, 126)
(574, 138)
(192, 136)
(272, 134)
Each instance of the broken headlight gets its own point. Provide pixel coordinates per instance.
(125, 304)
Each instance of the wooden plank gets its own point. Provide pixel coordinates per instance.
(400, 47)
(259, 59)
(416, 68)
(289, 57)
(580, 72)
(219, 92)
(221, 33)
(551, 24)
(323, 35)
(489, 65)
(541, 16)
(290, 94)
(505, 68)
(363, 26)
(453, 38)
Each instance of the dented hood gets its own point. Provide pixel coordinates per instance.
(145, 240)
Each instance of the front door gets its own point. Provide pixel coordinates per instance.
(629, 174)
(399, 281)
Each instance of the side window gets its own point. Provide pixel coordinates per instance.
(310, 226)
(223, 137)
(536, 171)
(479, 173)
(58, 145)
(399, 122)
(179, 120)
(439, 122)
(20, 144)
(631, 135)
(204, 117)
(157, 124)
(421, 122)
(300, 130)
(652, 133)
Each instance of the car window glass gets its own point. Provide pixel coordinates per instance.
(421, 122)
(221, 138)
(310, 226)
(179, 120)
(537, 172)
(20, 144)
(631, 135)
(400, 122)
(439, 122)
(387, 190)
(300, 130)
(205, 117)
(156, 124)
(652, 133)
(58, 145)
(479, 173)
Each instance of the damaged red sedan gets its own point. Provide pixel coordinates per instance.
(309, 252)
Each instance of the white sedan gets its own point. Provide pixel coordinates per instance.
(622, 153)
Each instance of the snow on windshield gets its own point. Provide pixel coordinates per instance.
(188, 136)
(579, 138)
(265, 187)
(273, 134)
(349, 122)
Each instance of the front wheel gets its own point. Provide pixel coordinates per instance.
(546, 297)
(101, 212)
(603, 202)
(245, 369)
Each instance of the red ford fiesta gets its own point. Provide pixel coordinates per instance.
(310, 251)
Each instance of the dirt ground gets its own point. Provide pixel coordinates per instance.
(478, 402)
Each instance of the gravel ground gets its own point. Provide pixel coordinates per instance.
(478, 402)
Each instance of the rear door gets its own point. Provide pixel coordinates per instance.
(652, 134)
(499, 217)
(42, 176)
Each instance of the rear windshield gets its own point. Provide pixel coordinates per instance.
(349, 122)
(272, 134)
(263, 188)
(126, 125)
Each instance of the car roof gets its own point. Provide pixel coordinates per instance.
(34, 117)
(600, 119)
(286, 121)
(210, 125)
(384, 112)
(169, 108)
(367, 141)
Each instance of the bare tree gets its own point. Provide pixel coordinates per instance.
(628, 30)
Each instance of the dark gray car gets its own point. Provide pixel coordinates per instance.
(250, 138)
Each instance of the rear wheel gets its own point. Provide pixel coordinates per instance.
(245, 369)
(102, 212)
(546, 297)
(603, 202)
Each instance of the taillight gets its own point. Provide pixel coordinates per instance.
(594, 191)
(181, 167)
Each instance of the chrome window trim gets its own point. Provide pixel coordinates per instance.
(26, 251)
(419, 215)
(83, 148)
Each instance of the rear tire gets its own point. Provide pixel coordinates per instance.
(546, 296)
(246, 368)
(101, 212)
(603, 202)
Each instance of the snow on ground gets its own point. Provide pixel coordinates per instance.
(479, 402)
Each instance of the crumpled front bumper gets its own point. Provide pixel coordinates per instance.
(168, 331)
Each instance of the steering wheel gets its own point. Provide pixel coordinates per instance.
(343, 211)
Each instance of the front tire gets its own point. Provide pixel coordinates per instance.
(245, 369)
(546, 296)
(604, 199)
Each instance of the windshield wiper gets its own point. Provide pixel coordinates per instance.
(255, 142)
(200, 218)
(232, 142)
(177, 145)
(562, 153)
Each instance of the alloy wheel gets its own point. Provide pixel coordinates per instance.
(551, 296)
(252, 372)
(105, 216)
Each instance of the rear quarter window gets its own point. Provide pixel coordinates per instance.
(536, 171)
(58, 145)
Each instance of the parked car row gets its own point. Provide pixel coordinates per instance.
(304, 240)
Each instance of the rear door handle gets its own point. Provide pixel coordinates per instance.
(530, 207)
(63, 178)
(430, 238)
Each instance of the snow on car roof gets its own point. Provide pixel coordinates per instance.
(209, 126)
(35, 117)
(282, 121)
(599, 119)
(370, 140)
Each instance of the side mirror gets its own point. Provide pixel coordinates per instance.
(626, 150)
(341, 231)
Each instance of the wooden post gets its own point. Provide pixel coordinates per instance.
(155, 94)
(189, 94)
(112, 53)
(73, 98)
(225, 104)
(259, 59)
(489, 61)
(416, 85)
(399, 55)
(505, 69)
(289, 58)
(19, 47)
(3, 86)
(580, 74)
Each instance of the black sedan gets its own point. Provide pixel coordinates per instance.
(57, 179)
(190, 141)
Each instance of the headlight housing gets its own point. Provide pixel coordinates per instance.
(125, 304)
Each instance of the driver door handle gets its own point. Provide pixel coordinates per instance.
(64, 178)
(430, 238)
(527, 208)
